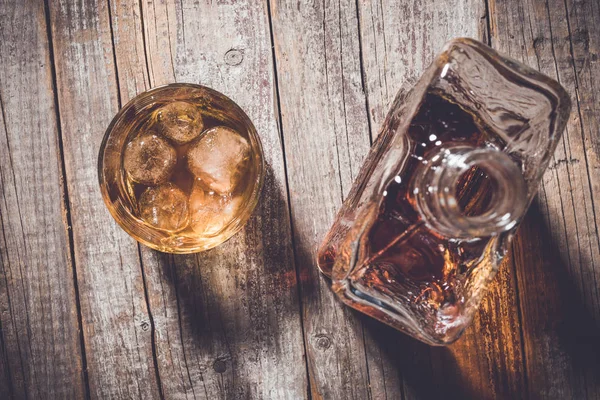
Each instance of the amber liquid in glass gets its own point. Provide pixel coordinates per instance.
(185, 180)
(182, 168)
(403, 255)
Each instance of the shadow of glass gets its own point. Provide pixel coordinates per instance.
(259, 254)
(238, 303)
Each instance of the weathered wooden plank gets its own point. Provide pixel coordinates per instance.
(559, 249)
(583, 27)
(226, 321)
(6, 382)
(399, 40)
(114, 310)
(203, 314)
(326, 136)
(41, 352)
(251, 279)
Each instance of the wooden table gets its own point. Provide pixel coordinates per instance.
(86, 312)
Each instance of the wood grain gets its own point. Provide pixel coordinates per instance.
(114, 310)
(86, 312)
(325, 130)
(221, 316)
(40, 354)
(558, 250)
(326, 136)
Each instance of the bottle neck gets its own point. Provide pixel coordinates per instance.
(436, 186)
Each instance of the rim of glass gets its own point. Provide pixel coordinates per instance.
(130, 221)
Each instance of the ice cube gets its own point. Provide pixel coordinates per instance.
(219, 158)
(179, 121)
(164, 207)
(149, 159)
(211, 212)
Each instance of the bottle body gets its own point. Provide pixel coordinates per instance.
(454, 168)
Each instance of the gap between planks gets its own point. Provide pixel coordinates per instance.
(65, 198)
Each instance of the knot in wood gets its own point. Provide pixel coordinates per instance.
(234, 57)
(323, 341)
(145, 326)
(220, 366)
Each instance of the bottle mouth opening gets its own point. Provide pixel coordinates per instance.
(475, 191)
(465, 191)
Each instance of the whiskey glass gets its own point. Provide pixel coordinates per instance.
(181, 168)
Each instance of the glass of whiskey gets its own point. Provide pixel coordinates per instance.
(181, 168)
(442, 191)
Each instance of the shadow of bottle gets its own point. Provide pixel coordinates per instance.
(561, 338)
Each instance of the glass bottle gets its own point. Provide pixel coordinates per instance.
(442, 191)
